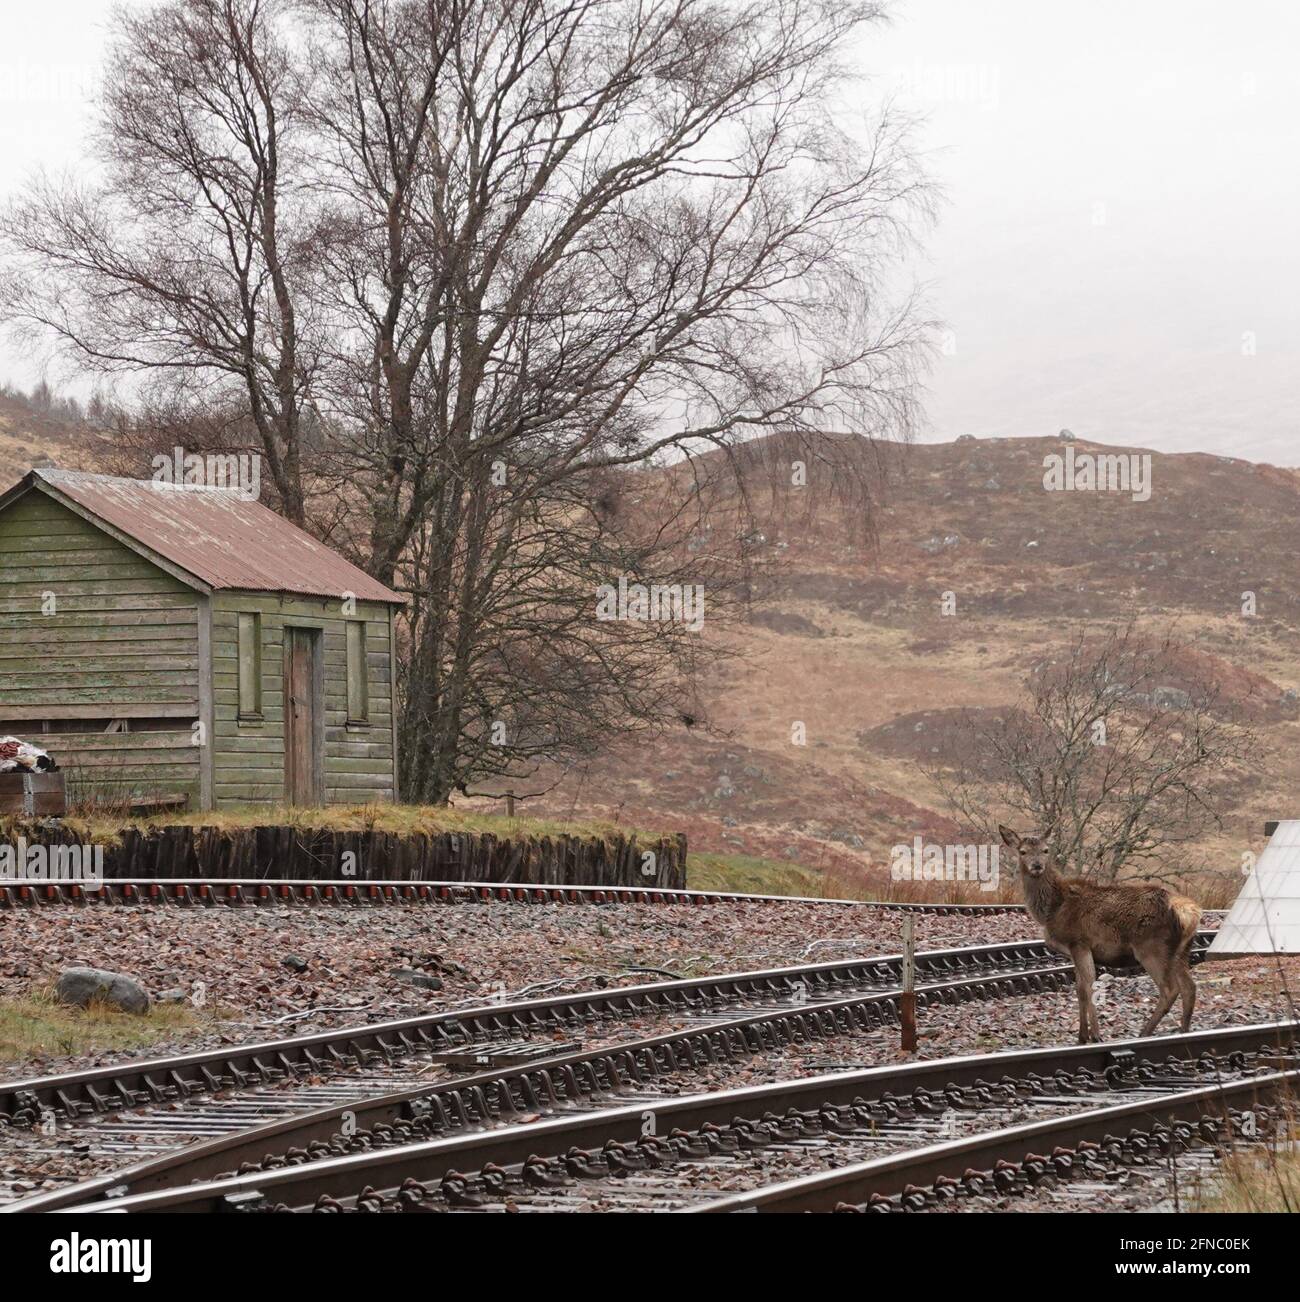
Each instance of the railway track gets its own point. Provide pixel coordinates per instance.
(914, 1133)
(1147, 1166)
(218, 892)
(1238, 1108)
(265, 1127)
(198, 1096)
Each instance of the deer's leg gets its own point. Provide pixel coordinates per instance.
(1085, 972)
(1160, 966)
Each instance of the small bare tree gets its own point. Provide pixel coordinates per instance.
(1123, 753)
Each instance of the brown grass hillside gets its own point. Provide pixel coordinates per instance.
(854, 645)
(32, 437)
(850, 641)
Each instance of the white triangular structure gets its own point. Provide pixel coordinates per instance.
(1265, 919)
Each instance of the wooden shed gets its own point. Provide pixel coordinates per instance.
(166, 641)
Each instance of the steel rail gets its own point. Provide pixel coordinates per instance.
(300, 1185)
(360, 893)
(456, 1031)
(561, 1083)
(982, 1155)
(494, 1096)
(501, 1096)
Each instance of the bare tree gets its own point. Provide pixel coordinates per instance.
(1123, 753)
(469, 267)
(187, 262)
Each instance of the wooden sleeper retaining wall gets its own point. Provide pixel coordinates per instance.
(317, 854)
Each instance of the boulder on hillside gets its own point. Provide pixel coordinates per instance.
(1171, 698)
(79, 985)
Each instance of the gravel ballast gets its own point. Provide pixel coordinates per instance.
(479, 950)
(241, 966)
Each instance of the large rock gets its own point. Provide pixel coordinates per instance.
(79, 985)
(1171, 698)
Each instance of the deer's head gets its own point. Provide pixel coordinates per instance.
(1031, 850)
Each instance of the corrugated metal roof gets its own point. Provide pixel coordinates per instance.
(1265, 917)
(216, 535)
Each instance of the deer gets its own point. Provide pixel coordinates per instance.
(1095, 924)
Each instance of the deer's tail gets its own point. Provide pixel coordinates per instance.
(1184, 918)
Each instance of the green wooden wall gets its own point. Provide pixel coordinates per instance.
(121, 643)
(248, 756)
(129, 641)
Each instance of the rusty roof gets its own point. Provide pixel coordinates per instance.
(215, 534)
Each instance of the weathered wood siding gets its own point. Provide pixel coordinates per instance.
(248, 755)
(121, 643)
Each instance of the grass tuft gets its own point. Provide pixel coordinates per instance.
(106, 828)
(36, 1026)
(743, 872)
(1252, 1181)
(740, 872)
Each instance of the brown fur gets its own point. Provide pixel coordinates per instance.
(1144, 924)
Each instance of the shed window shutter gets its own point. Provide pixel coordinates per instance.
(358, 685)
(250, 666)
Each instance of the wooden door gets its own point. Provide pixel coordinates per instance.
(301, 779)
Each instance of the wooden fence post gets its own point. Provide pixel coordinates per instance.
(907, 1000)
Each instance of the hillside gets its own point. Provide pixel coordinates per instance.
(32, 437)
(854, 645)
(850, 641)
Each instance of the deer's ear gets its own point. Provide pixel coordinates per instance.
(1009, 837)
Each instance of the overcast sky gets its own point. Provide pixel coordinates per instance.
(1117, 252)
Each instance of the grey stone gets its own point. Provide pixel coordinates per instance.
(79, 985)
(1170, 698)
(935, 543)
(417, 979)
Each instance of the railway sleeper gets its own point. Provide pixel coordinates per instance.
(745, 1134)
(1091, 1160)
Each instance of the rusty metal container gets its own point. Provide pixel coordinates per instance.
(32, 795)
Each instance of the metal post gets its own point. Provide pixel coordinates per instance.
(907, 1000)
